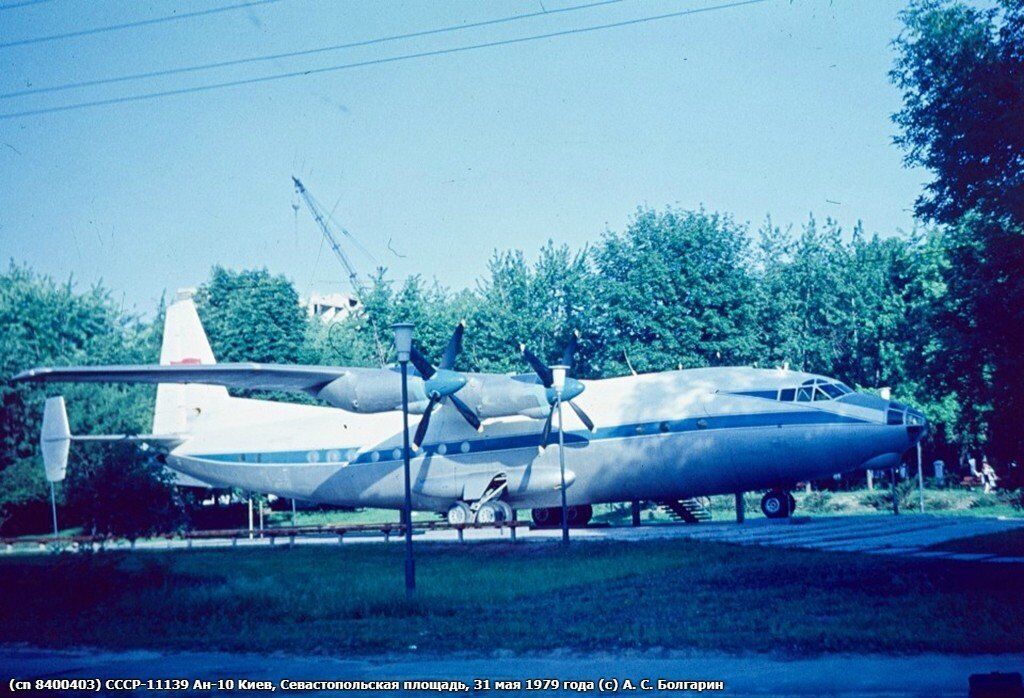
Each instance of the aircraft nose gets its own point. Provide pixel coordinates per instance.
(917, 425)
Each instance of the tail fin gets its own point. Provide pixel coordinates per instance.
(185, 342)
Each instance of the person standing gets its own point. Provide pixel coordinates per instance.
(988, 475)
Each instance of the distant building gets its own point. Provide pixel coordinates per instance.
(332, 307)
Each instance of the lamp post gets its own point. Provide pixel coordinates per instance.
(558, 383)
(403, 345)
(920, 479)
(53, 509)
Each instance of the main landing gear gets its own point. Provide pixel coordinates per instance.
(494, 511)
(488, 509)
(777, 504)
(551, 517)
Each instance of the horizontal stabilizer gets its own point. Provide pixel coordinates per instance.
(251, 376)
(161, 442)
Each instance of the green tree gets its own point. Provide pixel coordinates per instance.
(961, 71)
(251, 315)
(47, 323)
(539, 305)
(673, 289)
(118, 490)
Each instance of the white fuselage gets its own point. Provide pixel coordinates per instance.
(658, 436)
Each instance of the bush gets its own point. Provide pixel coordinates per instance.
(118, 491)
(817, 502)
(1014, 498)
(881, 499)
(984, 499)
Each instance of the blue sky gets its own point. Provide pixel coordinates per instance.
(777, 108)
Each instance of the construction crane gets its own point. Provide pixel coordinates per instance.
(332, 240)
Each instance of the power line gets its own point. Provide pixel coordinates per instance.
(294, 54)
(130, 25)
(376, 61)
(23, 3)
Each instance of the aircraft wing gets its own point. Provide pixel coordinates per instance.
(252, 376)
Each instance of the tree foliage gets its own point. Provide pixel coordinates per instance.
(50, 323)
(961, 70)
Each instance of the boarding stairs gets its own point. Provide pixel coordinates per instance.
(692, 510)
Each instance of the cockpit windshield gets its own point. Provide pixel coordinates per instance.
(811, 390)
(814, 390)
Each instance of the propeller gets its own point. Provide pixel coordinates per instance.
(442, 382)
(571, 389)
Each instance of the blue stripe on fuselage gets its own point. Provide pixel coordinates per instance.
(353, 455)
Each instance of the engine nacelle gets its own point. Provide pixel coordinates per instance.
(507, 396)
(371, 390)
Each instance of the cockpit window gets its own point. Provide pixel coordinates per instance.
(831, 389)
(811, 390)
(814, 390)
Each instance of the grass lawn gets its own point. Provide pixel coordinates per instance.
(524, 598)
(1008, 543)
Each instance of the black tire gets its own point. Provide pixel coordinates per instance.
(792, 502)
(548, 517)
(579, 516)
(775, 504)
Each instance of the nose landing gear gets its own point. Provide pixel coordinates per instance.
(777, 504)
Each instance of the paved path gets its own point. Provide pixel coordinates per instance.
(908, 534)
(744, 675)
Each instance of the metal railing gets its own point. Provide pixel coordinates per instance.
(386, 529)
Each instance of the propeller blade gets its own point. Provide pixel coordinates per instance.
(542, 371)
(547, 429)
(421, 363)
(466, 413)
(570, 349)
(421, 430)
(451, 352)
(587, 421)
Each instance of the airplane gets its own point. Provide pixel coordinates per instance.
(480, 448)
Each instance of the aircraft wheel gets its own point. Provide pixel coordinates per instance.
(579, 516)
(487, 514)
(460, 514)
(548, 517)
(775, 504)
(505, 509)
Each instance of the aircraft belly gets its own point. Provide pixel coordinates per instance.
(794, 453)
(290, 480)
(647, 464)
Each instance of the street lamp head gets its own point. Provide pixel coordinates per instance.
(403, 340)
(558, 378)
